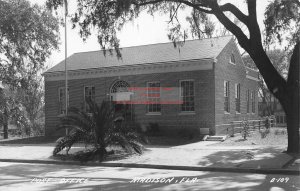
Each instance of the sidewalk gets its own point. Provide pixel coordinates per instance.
(195, 156)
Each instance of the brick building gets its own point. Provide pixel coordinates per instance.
(213, 84)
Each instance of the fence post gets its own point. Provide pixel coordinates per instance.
(259, 125)
(232, 126)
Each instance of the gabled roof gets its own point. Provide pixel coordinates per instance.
(146, 54)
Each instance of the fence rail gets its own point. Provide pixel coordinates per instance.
(237, 126)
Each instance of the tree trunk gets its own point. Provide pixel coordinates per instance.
(287, 92)
(293, 129)
(292, 102)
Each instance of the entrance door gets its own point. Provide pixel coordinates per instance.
(121, 97)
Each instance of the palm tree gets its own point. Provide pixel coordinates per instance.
(101, 128)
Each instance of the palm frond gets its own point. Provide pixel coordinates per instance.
(137, 146)
(99, 129)
(64, 142)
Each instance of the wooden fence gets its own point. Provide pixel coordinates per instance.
(237, 126)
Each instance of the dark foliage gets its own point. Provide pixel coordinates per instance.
(28, 35)
(99, 130)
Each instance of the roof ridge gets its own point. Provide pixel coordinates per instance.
(193, 49)
(143, 45)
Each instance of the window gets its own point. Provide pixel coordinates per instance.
(226, 97)
(248, 100)
(238, 98)
(89, 94)
(62, 100)
(253, 101)
(153, 96)
(232, 59)
(187, 94)
(277, 119)
(280, 119)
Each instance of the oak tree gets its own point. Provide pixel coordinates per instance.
(28, 35)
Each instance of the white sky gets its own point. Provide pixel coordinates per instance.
(144, 30)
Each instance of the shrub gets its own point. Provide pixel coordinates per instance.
(153, 129)
(268, 122)
(277, 132)
(99, 129)
(187, 133)
(264, 133)
(245, 129)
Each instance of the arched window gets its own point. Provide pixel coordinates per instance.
(119, 86)
(119, 91)
(120, 94)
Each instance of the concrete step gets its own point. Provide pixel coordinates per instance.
(214, 138)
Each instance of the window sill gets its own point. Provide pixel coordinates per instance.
(153, 113)
(237, 113)
(226, 113)
(187, 113)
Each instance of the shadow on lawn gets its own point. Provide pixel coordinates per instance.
(236, 157)
(22, 174)
(30, 140)
(240, 140)
(167, 141)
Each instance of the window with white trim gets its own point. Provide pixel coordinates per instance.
(62, 100)
(253, 101)
(238, 98)
(232, 59)
(187, 95)
(248, 100)
(153, 96)
(226, 97)
(89, 94)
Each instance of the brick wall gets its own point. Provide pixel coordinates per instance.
(171, 119)
(234, 74)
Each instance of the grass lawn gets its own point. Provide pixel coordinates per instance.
(118, 153)
(276, 136)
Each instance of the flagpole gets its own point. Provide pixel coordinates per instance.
(66, 69)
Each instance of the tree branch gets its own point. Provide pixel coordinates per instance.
(254, 30)
(229, 25)
(175, 13)
(236, 12)
(199, 7)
